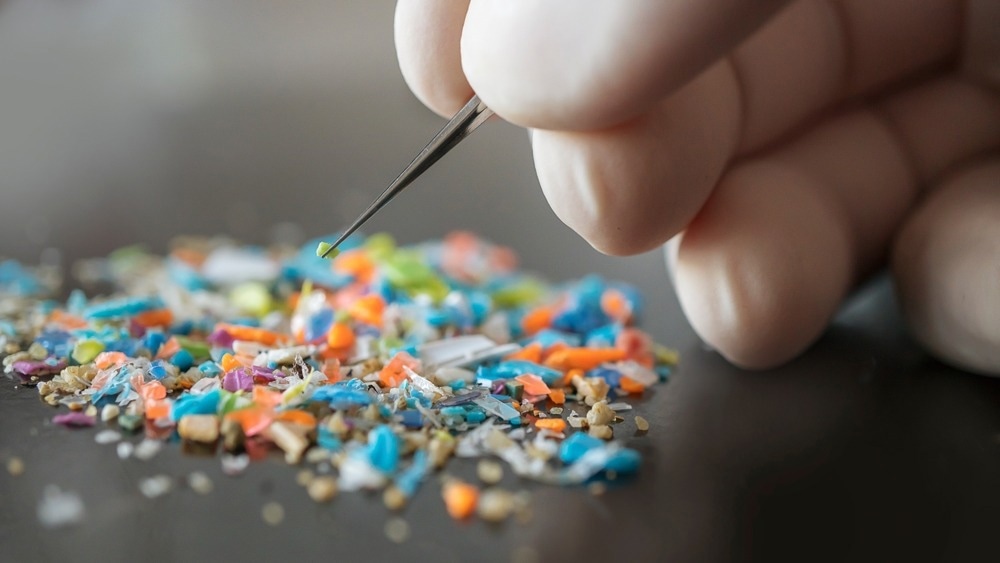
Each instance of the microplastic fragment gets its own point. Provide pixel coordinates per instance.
(15, 466)
(107, 437)
(156, 486)
(397, 530)
(200, 482)
(272, 513)
(59, 508)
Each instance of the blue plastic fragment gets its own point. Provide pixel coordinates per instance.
(577, 444)
(341, 396)
(624, 462)
(328, 440)
(412, 419)
(383, 449)
(409, 480)
(14, 278)
(210, 369)
(207, 403)
(548, 337)
(158, 369)
(183, 360)
(510, 369)
(124, 307)
(153, 340)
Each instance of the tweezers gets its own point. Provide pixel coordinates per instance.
(474, 114)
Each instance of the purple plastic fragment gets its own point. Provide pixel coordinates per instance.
(497, 387)
(262, 374)
(237, 380)
(73, 420)
(220, 339)
(36, 368)
(461, 399)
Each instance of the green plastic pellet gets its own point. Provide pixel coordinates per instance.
(130, 422)
(323, 250)
(198, 350)
(252, 298)
(380, 246)
(515, 389)
(86, 350)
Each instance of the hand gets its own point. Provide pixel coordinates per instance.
(787, 150)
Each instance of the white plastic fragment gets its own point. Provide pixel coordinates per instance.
(147, 449)
(272, 513)
(463, 351)
(357, 473)
(200, 483)
(156, 486)
(424, 385)
(447, 375)
(107, 437)
(110, 412)
(620, 406)
(235, 464)
(229, 265)
(59, 508)
(125, 450)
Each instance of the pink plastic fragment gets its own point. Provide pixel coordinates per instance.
(73, 420)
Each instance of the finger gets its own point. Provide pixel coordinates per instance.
(629, 188)
(817, 53)
(766, 263)
(764, 266)
(427, 36)
(590, 64)
(946, 263)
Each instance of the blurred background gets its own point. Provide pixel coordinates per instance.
(128, 122)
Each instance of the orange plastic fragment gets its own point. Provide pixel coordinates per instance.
(568, 378)
(537, 319)
(189, 256)
(157, 408)
(357, 263)
(460, 499)
(264, 397)
(66, 320)
(368, 309)
(154, 390)
(340, 336)
(553, 349)
(169, 348)
(105, 360)
(533, 385)
(553, 424)
(393, 374)
(557, 396)
(637, 346)
(630, 385)
(331, 369)
(253, 420)
(252, 334)
(229, 363)
(156, 317)
(297, 416)
(615, 305)
(531, 353)
(583, 358)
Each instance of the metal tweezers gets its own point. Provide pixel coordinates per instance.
(474, 114)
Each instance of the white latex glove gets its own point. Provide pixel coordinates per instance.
(787, 150)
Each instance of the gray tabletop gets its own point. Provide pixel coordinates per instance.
(268, 120)
(863, 449)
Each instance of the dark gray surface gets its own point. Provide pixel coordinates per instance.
(862, 450)
(133, 122)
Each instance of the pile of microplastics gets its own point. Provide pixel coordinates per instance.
(378, 366)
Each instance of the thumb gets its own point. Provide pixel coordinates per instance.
(591, 64)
